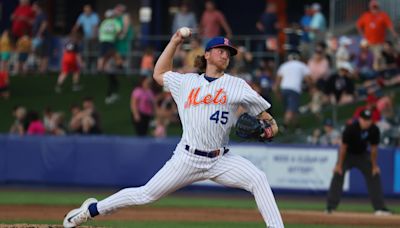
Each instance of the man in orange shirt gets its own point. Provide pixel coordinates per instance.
(372, 26)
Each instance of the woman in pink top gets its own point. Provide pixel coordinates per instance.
(142, 106)
(35, 127)
(319, 69)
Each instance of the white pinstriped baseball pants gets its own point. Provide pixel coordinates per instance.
(185, 168)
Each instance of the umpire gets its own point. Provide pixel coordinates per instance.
(353, 152)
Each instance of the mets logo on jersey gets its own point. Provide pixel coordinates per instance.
(193, 99)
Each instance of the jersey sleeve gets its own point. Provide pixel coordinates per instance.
(173, 82)
(252, 101)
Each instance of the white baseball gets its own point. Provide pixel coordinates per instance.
(184, 31)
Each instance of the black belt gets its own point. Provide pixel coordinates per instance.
(209, 154)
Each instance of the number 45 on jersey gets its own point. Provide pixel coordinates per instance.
(220, 116)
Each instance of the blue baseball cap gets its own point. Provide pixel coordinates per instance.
(220, 41)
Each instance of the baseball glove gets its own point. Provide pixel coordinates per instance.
(250, 128)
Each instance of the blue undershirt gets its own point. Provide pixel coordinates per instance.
(209, 79)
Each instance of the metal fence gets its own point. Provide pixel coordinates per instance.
(138, 46)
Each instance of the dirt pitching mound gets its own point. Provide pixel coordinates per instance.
(57, 213)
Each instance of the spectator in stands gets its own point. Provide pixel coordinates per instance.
(318, 24)
(108, 34)
(391, 64)
(184, 18)
(364, 62)
(75, 123)
(123, 44)
(264, 78)
(385, 105)
(142, 106)
(90, 117)
(165, 113)
(291, 75)
(6, 48)
(318, 65)
(85, 120)
(22, 19)
(340, 87)
(243, 64)
(179, 58)
(18, 126)
(89, 21)
(372, 26)
(35, 126)
(359, 149)
(212, 20)
(319, 69)
(4, 85)
(58, 123)
(293, 38)
(371, 106)
(42, 37)
(268, 26)
(160, 129)
(343, 54)
(195, 50)
(305, 23)
(329, 137)
(389, 124)
(71, 63)
(23, 48)
(328, 51)
(48, 119)
(166, 108)
(390, 57)
(147, 62)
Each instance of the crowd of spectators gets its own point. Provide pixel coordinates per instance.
(330, 70)
(85, 119)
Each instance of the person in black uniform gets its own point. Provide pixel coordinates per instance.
(353, 152)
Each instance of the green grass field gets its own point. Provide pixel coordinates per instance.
(179, 201)
(67, 198)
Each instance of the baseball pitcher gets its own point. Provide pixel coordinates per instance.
(207, 105)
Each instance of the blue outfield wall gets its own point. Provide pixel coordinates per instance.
(113, 161)
(82, 161)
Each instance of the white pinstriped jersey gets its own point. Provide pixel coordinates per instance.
(207, 109)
